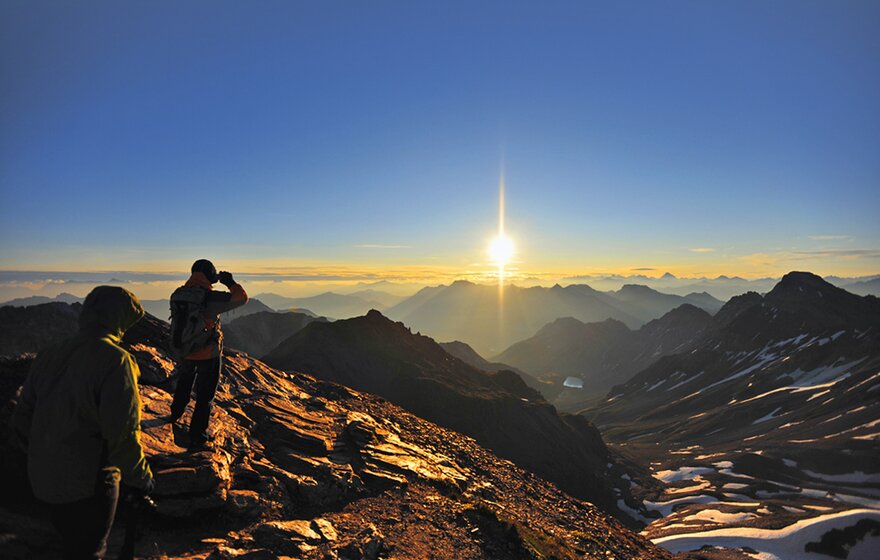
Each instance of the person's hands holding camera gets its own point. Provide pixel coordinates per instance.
(225, 278)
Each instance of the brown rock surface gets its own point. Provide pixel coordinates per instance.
(302, 468)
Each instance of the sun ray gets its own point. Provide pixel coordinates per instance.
(501, 248)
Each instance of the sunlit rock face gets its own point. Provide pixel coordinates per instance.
(308, 469)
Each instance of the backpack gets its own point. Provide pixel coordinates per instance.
(188, 330)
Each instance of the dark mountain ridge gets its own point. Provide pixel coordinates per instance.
(29, 329)
(377, 355)
(603, 353)
(259, 333)
(465, 353)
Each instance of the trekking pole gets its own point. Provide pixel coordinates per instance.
(136, 506)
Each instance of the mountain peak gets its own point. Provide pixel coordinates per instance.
(668, 276)
(803, 287)
(636, 288)
(796, 279)
(687, 310)
(375, 314)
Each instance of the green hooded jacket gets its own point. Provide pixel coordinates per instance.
(79, 409)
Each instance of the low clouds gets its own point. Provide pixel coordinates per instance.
(839, 254)
(702, 250)
(830, 237)
(778, 259)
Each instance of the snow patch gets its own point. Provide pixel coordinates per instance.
(779, 544)
(666, 508)
(857, 477)
(703, 484)
(718, 516)
(655, 385)
(768, 416)
(680, 383)
(682, 473)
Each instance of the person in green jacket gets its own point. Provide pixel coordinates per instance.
(78, 417)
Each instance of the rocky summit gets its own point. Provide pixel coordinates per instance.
(302, 468)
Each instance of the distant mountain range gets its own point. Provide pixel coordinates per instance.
(63, 297)
(721, 287)
(259, 333)
(331, 304)
(375, 354)
(161, 308)
(478, 315)
(864, 287)
(601, 354)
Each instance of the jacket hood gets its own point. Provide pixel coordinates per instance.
(110, 309)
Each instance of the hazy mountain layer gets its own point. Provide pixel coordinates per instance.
(63, 297)
(329, 304)
(602, 354)
(465, 353)
(259, 333)
(491, 321)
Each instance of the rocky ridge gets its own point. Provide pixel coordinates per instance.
(374, 354)
(303, 468)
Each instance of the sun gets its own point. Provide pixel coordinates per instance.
(501, 250)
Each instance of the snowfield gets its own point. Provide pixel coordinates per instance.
(718, 516)
(683, 473)
(787, 543)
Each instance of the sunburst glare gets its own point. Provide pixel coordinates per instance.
(501, 250)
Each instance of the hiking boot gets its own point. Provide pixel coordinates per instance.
(201, 444)
(197, 446)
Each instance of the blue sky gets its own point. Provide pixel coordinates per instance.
(699, 137)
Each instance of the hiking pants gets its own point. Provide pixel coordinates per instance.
(206, 375)
(84, 525)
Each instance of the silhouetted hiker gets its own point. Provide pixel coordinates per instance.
(78, 417)
(196, 337)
